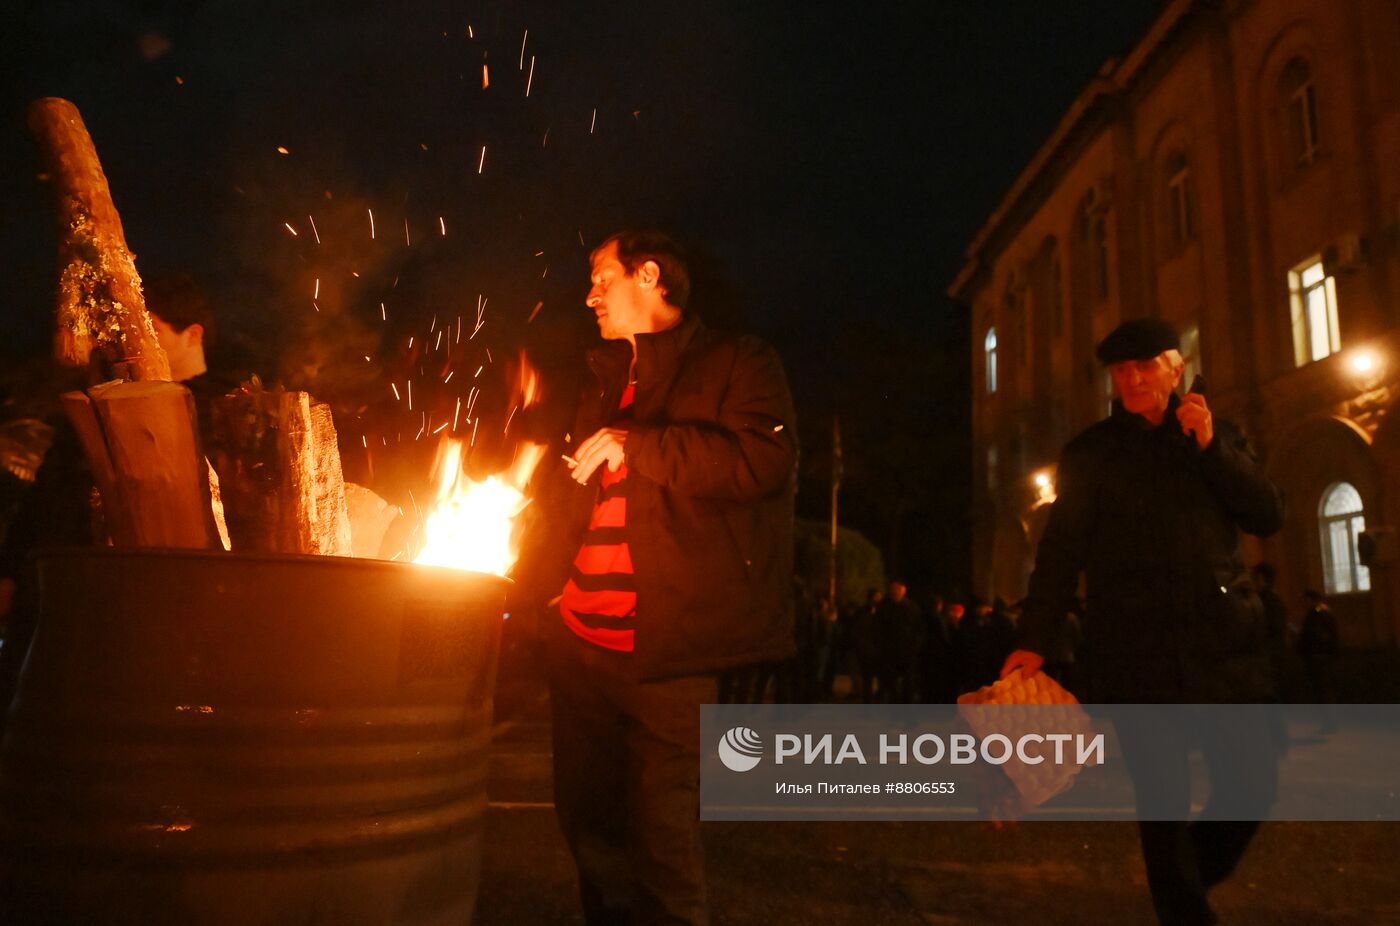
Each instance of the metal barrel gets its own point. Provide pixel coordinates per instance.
(202, 738)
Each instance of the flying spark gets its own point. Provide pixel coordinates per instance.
(397, 397)
(481, 163)
(313, 229)
(594, 124)
(442, 226)
(371, 223)
(522, 48)
(290, 229)
(383, 315)
(316, 290)
(529, 81)
(408, 242)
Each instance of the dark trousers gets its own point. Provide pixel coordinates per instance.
(627, 786)
(1184, 860)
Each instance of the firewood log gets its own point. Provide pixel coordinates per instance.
(279, 474)
(100, 306)
(140, 439)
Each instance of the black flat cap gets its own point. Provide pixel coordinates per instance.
(1139, 339)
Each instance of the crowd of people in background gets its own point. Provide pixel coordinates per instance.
(893, 649)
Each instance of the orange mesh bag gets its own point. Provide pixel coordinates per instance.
(1014, 707)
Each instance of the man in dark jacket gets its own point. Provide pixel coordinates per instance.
(1150, 505)
(666, 541)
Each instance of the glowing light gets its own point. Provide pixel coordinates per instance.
(288, 226)
(371, 223)
(442, 226)
(281, 150)
(1363, 361)
(481, 163)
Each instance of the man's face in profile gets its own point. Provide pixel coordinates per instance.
(1146, 386)
(613, 297)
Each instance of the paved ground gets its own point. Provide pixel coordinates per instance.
(949, 874)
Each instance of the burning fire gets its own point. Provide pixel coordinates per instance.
(470, 524)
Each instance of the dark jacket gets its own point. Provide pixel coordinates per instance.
(1153, 522)
(711, 458)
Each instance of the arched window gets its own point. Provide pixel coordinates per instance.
(1057, 297)
(1099, 248)
(1341, 520)
(989, 348)
(1298, 95)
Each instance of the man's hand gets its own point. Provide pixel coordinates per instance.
(1028, 662)
(1195, 419)
(604, 446)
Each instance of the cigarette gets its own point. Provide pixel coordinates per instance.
(569, 460)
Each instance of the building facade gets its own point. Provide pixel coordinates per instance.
(1238, 173)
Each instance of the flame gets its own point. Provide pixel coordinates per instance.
(470, 524)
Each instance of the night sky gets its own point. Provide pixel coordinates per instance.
(827, 163)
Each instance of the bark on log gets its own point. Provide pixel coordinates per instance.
(140, 439)
(279, 474)
(100, 306)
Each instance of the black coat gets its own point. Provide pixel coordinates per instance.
(712, 459)
(1153, 522)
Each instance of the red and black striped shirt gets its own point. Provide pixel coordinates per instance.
(600, 599)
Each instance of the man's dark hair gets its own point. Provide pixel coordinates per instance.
(1266, 571)
(637, 246)
(180, 302)
(1313, 595)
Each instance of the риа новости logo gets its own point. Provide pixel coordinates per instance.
(740, 749)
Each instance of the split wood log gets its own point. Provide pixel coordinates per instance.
(279, 474)
(100, 306)
(140, 439)
(370, 517)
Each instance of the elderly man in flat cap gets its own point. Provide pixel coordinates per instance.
(1151, 502)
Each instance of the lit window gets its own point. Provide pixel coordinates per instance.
(1314, 306)
(1179, 207)
(1191, 355)
(1341, 520)
(1300, 103)
(990, 349)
